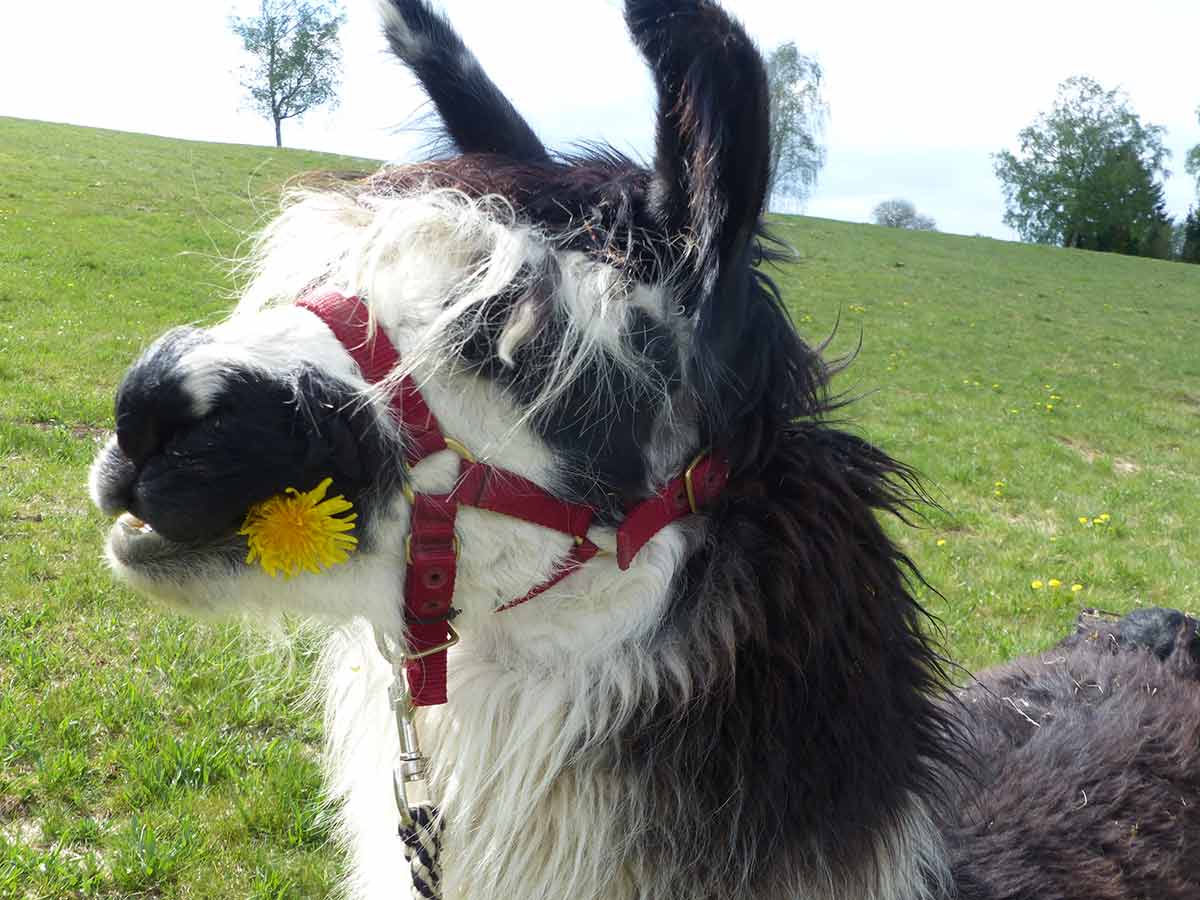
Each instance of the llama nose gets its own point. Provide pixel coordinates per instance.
(152, 403)
(143, 429)
(138, 436)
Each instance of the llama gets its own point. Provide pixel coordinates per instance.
(721, 685)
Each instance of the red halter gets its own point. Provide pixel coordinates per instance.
(432, 547)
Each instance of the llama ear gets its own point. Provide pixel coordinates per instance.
(710, 183)
(478, 118)
(713, 149)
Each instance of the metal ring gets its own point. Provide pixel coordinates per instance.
(459, 448)
(687, 480)
(403, 656)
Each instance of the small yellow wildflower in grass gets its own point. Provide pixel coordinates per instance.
(1084, 520)
(1037, 585)
(1055, 584)
(295, 531)
(1103, 518)
(941, 542)
(1076, 588)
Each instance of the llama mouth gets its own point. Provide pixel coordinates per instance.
(133, 542)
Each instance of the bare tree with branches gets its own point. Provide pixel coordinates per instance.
(901, 213)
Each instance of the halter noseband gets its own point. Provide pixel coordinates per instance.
(432, 547)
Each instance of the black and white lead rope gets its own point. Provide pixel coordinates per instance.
(422, 836)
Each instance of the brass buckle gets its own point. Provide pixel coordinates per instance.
(687, 480)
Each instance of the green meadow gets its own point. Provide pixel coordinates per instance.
(1049, 398)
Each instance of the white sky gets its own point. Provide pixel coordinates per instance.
(921, 93)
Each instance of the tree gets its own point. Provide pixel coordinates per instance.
(798, 114)
(900, 213)
(1189, 250)
(1155, 242)
(1192, 164)
(1087, 173)
(297, 57)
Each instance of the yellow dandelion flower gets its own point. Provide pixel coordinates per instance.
(1103, 517)
(297, 531)
(1076, 588)
(1084, 520)
(1037, 585)
(1055, 584)
(941, 542)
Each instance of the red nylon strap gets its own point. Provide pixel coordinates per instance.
(703, 482)
(421, 430)
(432, 546)
(580, 554)
(495, 490)
(350, 321)
(428, 594)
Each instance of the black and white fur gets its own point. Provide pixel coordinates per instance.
(753, 708)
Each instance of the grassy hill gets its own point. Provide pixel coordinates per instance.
(1050, 398)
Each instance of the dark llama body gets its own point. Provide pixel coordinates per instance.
(1088, 767)
(746, 706)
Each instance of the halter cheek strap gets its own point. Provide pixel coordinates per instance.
(432, 547)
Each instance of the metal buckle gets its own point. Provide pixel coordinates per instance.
(687, 480)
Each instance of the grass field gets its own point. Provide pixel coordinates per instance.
(1050, 398)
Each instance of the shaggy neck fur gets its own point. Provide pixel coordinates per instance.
(759, 725)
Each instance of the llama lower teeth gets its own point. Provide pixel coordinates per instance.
(133, 523)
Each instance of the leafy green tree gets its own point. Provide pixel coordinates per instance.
(1190, 249)
(1086, 174)
(1192, 164)
(297, 57)
(900, 213)
(1156, 240)
(798, 115)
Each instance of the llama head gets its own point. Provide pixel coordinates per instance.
(583, 321)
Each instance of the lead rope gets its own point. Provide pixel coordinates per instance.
(421, 824)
